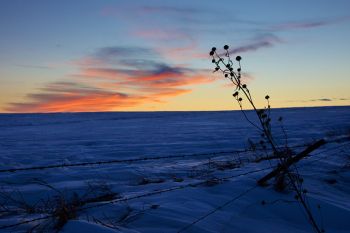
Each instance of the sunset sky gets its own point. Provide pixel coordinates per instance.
(145, 55)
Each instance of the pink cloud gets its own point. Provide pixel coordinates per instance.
(106, 82)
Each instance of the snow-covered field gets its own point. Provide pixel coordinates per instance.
(204, 191)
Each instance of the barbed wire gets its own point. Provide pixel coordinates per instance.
(195, 184)
(247, 191)
(162, 190)
(115, 161)
(335, 148)
(25, 222)
(44, 167)
(217, 208)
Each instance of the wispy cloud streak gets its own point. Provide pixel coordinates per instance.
(256, 44)
(309, 24)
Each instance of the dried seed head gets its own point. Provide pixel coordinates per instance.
(267, 97)
(244, 86)
(213, 61)
(239, 69)
(211, 53)
(226, 47)
(226, 75)
(238, 58)
(213, 49)
(240, 99)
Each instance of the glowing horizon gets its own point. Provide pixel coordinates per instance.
(153, 56)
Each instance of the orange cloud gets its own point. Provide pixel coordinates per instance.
(90, 103)
(73, 97)
(111, 80)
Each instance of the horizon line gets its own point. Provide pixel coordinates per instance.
(163, 111)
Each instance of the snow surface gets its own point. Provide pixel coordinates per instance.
(43, 139)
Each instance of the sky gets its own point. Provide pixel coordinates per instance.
(147, 55)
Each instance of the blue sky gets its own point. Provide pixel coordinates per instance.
(153, 55)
